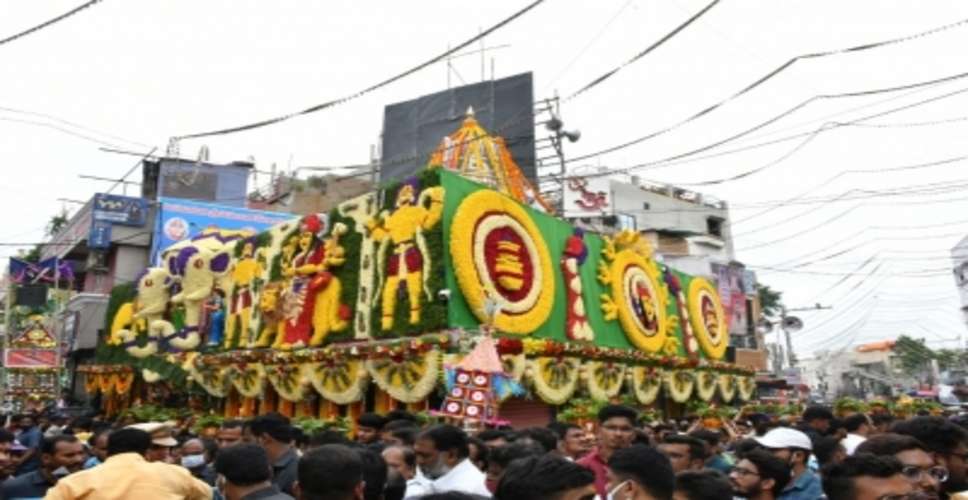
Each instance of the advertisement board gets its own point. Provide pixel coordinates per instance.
(413, 129)
(182, 219)
(732, 292)
(121, 210)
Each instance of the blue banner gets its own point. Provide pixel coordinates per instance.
(120, 210)
(180, 219)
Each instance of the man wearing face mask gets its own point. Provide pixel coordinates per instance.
(195, 458)
(794, 448)
(640, 473)
(59, 456)
(442, 460)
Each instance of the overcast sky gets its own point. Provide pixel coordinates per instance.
(142, 71)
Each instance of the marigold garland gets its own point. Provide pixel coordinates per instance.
(123, 382)
(727, 386)
(679, 383)
(106, 383)
(554, 379)
(407, 378)
(479, 215)
(91, 383)
(705, 385)
(646, 382)
(603, 379)
(340, 381)
(709, 327)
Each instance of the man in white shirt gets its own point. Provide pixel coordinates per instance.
(443, 465)
(859, 429)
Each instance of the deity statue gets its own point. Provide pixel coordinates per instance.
(244, 275)
(409, 261)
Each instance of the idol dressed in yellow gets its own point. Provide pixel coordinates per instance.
(403, 229)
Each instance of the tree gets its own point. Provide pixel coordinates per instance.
(56, 223)
(914, 356)
(771, 301)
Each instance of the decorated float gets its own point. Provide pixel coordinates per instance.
(364, 307)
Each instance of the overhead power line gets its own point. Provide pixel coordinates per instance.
(48, 23)
(770, 75)
(640, 55)
(71, 124)
(829, 126)
(367, 90)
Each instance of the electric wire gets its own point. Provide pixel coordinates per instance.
(658, 43)
(367, 90)
(47, 23)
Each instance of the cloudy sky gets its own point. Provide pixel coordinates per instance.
(856, 205)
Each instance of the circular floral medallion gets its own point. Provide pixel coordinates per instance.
(639, 300)
(707, 318)
(499, 254)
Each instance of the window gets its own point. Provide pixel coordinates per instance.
(714, 226)
(646, 206)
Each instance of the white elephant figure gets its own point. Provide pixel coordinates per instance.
(144, 314)
(199, 269)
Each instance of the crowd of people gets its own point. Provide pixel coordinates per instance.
(392, 457)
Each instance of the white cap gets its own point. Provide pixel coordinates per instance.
(785, 437)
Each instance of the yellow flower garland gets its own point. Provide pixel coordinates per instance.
(713, 344)
(289, 381)
(746, 386)
(603, 379)
(476, 216)
(679, 384)
(705, 385)
(342, 383)
(646, 382)
(554, 380)
(409, 380)
(727, 386)
(249, 381)
(210, 378)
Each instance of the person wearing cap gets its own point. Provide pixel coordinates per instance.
(794, 448)
(162, 441)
